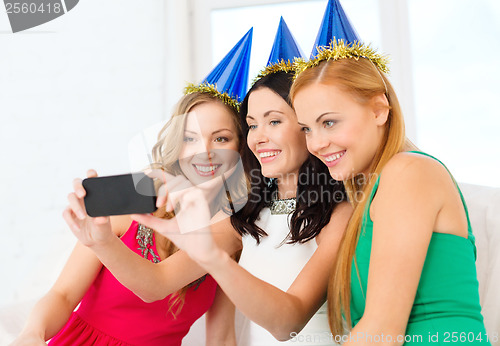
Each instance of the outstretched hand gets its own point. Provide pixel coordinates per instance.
(190, 229)
(90, 231)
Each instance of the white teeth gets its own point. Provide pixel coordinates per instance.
(334, 157)
(269, 154)
(206, 169)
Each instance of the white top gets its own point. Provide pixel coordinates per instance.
(279, 266)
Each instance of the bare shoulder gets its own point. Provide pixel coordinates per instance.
(407, 162)
(413, 171)
(412, 180)
(120, 224)
(337, 224)
(341, 213)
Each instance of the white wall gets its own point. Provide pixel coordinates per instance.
(73, 92)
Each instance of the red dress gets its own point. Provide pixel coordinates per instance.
(110, 314)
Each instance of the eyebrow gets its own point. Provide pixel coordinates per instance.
(267, 113)
(322, 115)
(221, 131)
(319, 118)
(193, 132)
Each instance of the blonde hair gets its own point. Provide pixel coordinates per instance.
(166, 154)
(363, 80)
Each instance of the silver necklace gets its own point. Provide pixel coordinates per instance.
(282, 206)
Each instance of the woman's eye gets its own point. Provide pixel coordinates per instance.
(328, 123)
(252, 127)
(188, 139)
(275, 122)
(305, 129)
(221, 139)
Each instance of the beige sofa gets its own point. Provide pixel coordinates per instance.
(484, 211)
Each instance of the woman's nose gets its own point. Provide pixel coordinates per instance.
(259, 136)
(208, 150)
(316, 143)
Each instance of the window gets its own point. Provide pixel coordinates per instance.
(302, 17)
(444, 64)
(455, 55)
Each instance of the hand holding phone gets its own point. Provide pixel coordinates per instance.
(89, 231)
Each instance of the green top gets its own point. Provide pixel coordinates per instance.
(447, 298)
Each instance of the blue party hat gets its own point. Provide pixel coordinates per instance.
(283, 53)
(284, 47)
(335, 24)
(231, 73)
(229, 79)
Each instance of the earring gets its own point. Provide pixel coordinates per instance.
(271, 182)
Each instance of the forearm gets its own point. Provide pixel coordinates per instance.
(48, 316)
(219, 320)
(138, 274)
(277, 311)
(369, 334)
(224, 336)
(221, 340)
(147, 280)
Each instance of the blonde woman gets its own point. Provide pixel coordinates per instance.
(405, 271)
(118, 305)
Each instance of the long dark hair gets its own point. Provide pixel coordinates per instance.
(317, 192)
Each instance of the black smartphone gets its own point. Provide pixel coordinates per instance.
(132, 193)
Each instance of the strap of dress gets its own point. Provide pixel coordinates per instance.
(469, 225)
(370, 200)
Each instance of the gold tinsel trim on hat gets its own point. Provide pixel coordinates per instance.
(338, 50)
(281, 66)
(212, 90)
